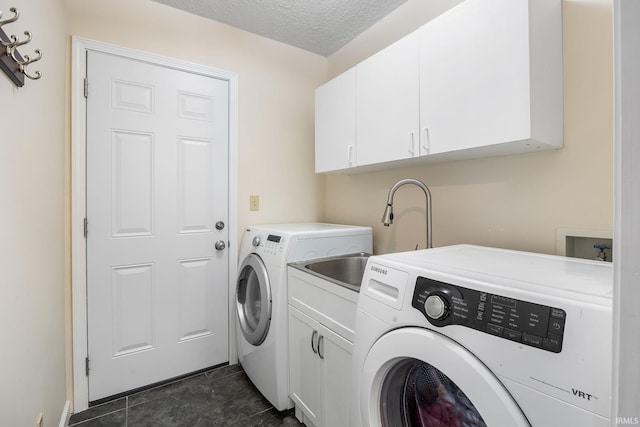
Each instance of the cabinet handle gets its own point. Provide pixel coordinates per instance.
(313, 342)
(349, 153)
(412, 144)
(426, 141)
(321, 352)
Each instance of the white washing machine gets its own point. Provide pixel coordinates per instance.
(261, 294)
(473, 336)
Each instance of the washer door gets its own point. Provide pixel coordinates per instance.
(417, 377)
(253, 299)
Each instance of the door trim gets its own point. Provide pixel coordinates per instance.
(80, 46)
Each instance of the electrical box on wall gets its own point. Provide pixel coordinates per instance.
(254, 202)
(584, 243)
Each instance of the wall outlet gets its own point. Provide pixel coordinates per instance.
(254, 202)
(40, 420)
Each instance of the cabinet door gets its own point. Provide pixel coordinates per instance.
(336, 123)
(387, 103)
(337, 355)
(474, 76)
(304, 365)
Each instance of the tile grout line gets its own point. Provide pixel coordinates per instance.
(95, 418)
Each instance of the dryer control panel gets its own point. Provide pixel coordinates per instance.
(516, 320)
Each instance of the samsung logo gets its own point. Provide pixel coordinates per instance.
(378, 270)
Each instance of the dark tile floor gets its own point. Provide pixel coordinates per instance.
(219, 397)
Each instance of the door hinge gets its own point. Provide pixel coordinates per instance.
(86, 87)
(86, 366)
(86, 227)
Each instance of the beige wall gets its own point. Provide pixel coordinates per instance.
(32, 331)
(516, 201)
(276, 83)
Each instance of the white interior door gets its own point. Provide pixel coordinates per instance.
(157, 186)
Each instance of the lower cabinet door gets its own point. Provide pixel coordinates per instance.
(305, 382)
(336, 378)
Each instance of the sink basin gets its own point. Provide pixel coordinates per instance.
(343, 270)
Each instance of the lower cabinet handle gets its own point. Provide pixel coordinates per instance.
(313, 342)
(321, 352)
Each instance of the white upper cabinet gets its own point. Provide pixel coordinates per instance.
(491, 76)
(387, 102)
(482, 79)
(336, 123)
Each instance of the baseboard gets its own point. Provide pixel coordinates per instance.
(66, 414)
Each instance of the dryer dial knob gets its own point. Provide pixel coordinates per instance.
(436, 307)
(256, 241)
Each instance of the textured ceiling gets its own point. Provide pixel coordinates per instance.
(320, 26)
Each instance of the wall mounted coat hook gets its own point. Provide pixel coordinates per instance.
(28, 61)
(36, 77)
(10, 43)
(12, 63)
(11, 49)
(23, 42)
(10, 20)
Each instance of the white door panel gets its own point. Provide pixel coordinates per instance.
(305, 381)
(337, 354)
(157, 183)
(387, 113)
(474, 76)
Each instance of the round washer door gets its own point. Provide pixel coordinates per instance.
(416, 377)
(253, 299)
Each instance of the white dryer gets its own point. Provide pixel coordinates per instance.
(261, 294)
(473, 336)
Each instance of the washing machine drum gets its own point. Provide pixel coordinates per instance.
(253, 300)
(417, 377)
(418, 394)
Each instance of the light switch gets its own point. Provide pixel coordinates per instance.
(254, 202)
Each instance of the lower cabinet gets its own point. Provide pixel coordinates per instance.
(319, 372)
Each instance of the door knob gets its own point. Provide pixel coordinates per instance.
(220, 245)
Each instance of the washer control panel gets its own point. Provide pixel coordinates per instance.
(516, 320)
(271, 246)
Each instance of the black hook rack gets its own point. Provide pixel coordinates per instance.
(12, 63)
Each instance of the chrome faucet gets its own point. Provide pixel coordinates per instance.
(387, 217)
